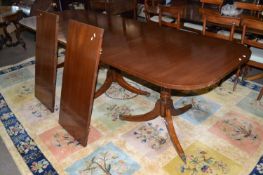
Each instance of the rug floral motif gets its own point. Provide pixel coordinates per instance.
(201, 108)
(150, 138)
(61, 144)
(20, 93)
(108, 160)
(35, 111)
(240, 131)
(108, 115)
(203, 160)
(118, 92)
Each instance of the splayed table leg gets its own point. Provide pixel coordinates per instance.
(114, 75)
(164, 108)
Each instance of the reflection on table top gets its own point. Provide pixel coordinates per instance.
(163, 56)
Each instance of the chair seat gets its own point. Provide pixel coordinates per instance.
(193, 26)
(140, 10)
(256, 55)
(227, 33)
(164, 18)
(61, 60)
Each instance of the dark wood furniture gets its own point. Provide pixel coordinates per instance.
(216, 3)
(10, 15)
(256, 59)
(251, 8)
(172, 12)
(214, 18)
(79, 79)
(31, 7)
(192, 16)
(168, 58)
(46, 59)
(67, 4)
(151, 8)
(114, 7)
(43, 5)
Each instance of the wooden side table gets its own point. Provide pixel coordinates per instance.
(10, 15)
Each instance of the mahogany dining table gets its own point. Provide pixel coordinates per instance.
(165, 57)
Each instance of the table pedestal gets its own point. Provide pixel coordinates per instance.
(164, 108)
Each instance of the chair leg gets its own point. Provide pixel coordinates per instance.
(245, 72)
(236, 79)
(260, 94)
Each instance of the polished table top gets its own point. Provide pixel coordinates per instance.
(163, 56)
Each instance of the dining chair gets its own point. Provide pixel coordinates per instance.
(72, 4)
(229, 24)
(79, 78)
(255, 44)
(252, 9)
(43, 5)
(210, 17)
(173, 13)
(46, 58)
(114, 7)
(214, 4)
(152, 9)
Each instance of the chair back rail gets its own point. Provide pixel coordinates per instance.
(79, 78)
(254, 25)
(255, 9)
(215, 18)
(205, 4)
(214, 2)
(151, 7)
(170, 11)
(46, 58)
(248, 6)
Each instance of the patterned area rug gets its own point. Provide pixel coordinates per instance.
(221, 135)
